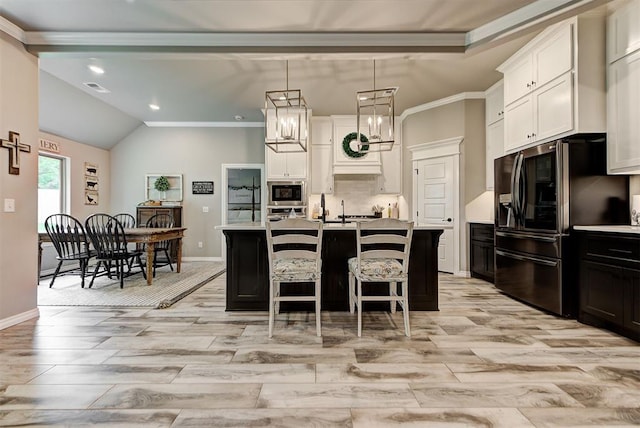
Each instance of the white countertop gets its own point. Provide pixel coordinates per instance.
(261, 226)
(611, 228)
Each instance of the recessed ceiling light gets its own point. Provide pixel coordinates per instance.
(154, 107)
(238, 117)
(96, 87)
(96, 69)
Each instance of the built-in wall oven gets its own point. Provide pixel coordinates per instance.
(540, 193)
(285, 198)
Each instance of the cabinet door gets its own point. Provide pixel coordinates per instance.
(623, 113)
(553, 56)
(553, 108)
(494, 148)
(623, 31)
(321, 169)
(390, 181)
(517, 79)
(276, 164)
(494, 103)
(296, 164)
(602, 291)
(632, 302)
(518, 124)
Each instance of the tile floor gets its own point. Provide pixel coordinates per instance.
(483, 360)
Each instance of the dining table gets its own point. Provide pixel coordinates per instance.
(138, 235)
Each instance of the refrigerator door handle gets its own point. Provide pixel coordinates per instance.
(526, 236)
(522, 190)
(527, 258)
(514, 189)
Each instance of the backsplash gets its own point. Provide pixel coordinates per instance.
(359, 193)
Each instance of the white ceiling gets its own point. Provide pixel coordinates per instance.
(209, 60)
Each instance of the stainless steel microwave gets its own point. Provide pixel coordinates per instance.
(287, 193)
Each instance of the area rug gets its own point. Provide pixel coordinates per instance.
(167, 288)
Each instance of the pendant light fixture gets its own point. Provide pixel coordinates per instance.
(376, 114)
(286, 120)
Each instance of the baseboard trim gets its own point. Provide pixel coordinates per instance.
(17, 319)
(463, 273)
(202, 259)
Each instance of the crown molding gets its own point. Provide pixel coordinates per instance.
(151, 124)
(441, 102)
(13, 30)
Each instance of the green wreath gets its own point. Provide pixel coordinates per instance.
(346, 145)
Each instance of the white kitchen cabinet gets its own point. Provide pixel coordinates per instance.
(623, 97)
(494, 135)
(321, 155)
(564, 95)
(390, 181)
(343, 163)
(623, 31)
(285, 166)
(547, 57)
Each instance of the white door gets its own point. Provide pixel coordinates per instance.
(435, 194)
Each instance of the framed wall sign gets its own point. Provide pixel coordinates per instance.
(202, 187)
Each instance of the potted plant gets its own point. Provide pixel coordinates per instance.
(162, 185)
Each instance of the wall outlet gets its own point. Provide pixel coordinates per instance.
(205, 209)
(200, 245)
(9, 205)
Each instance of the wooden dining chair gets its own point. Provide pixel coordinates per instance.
(294, 248)
(383, 248)
(126, 220)
(70, 241)
(110, 243)
(162, 247)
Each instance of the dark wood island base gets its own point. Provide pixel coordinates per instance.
(248, 270)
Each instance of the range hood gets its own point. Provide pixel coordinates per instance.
(345, 158)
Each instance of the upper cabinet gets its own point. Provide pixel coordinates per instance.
(623, 92)
(390, 181)
(321, 155)
(553, 89)
(494, 136)
(285, 166)
(623, 31)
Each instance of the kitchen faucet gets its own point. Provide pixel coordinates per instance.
(342, 203)
(323, 215)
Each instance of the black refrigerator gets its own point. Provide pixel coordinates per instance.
(540, 194)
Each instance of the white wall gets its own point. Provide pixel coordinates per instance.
(18, 230)
(197, 154)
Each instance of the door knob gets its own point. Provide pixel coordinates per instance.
(448, 220)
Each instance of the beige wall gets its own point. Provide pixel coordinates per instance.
(78, 154)
(18, 230)
(197, 154)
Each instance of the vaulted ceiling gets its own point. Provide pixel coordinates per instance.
(208, 61)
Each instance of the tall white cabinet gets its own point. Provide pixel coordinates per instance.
(285, 166)
(552, 88)
(494, 136)
(623, 91)
(321, 155)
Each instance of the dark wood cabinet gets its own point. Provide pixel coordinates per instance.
(609, 281)
(481, 257)
(248, 271)
(145, 213)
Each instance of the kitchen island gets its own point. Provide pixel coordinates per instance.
(248, 268)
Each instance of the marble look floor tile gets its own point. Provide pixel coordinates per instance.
(17, 374)
(176, 396)
(106, 374)
(492, 342)
(247, 373)
(171, 357)
(420, 418)
(281, 418)
(627, 374)
(565, 417)
(245, 341)
(457, 395)
(55, 356)
(98, 330)
(603, 395)
(93, 418)
(349, 373)
(194, 329)
(493, 373)
(157, 342)
(294, 354)
(377, 342)
(617, 354)
(299, 396)
(535, 356)
(398, 356)
(15, 397)
(589, 342)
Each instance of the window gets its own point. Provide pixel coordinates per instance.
(51, 188)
